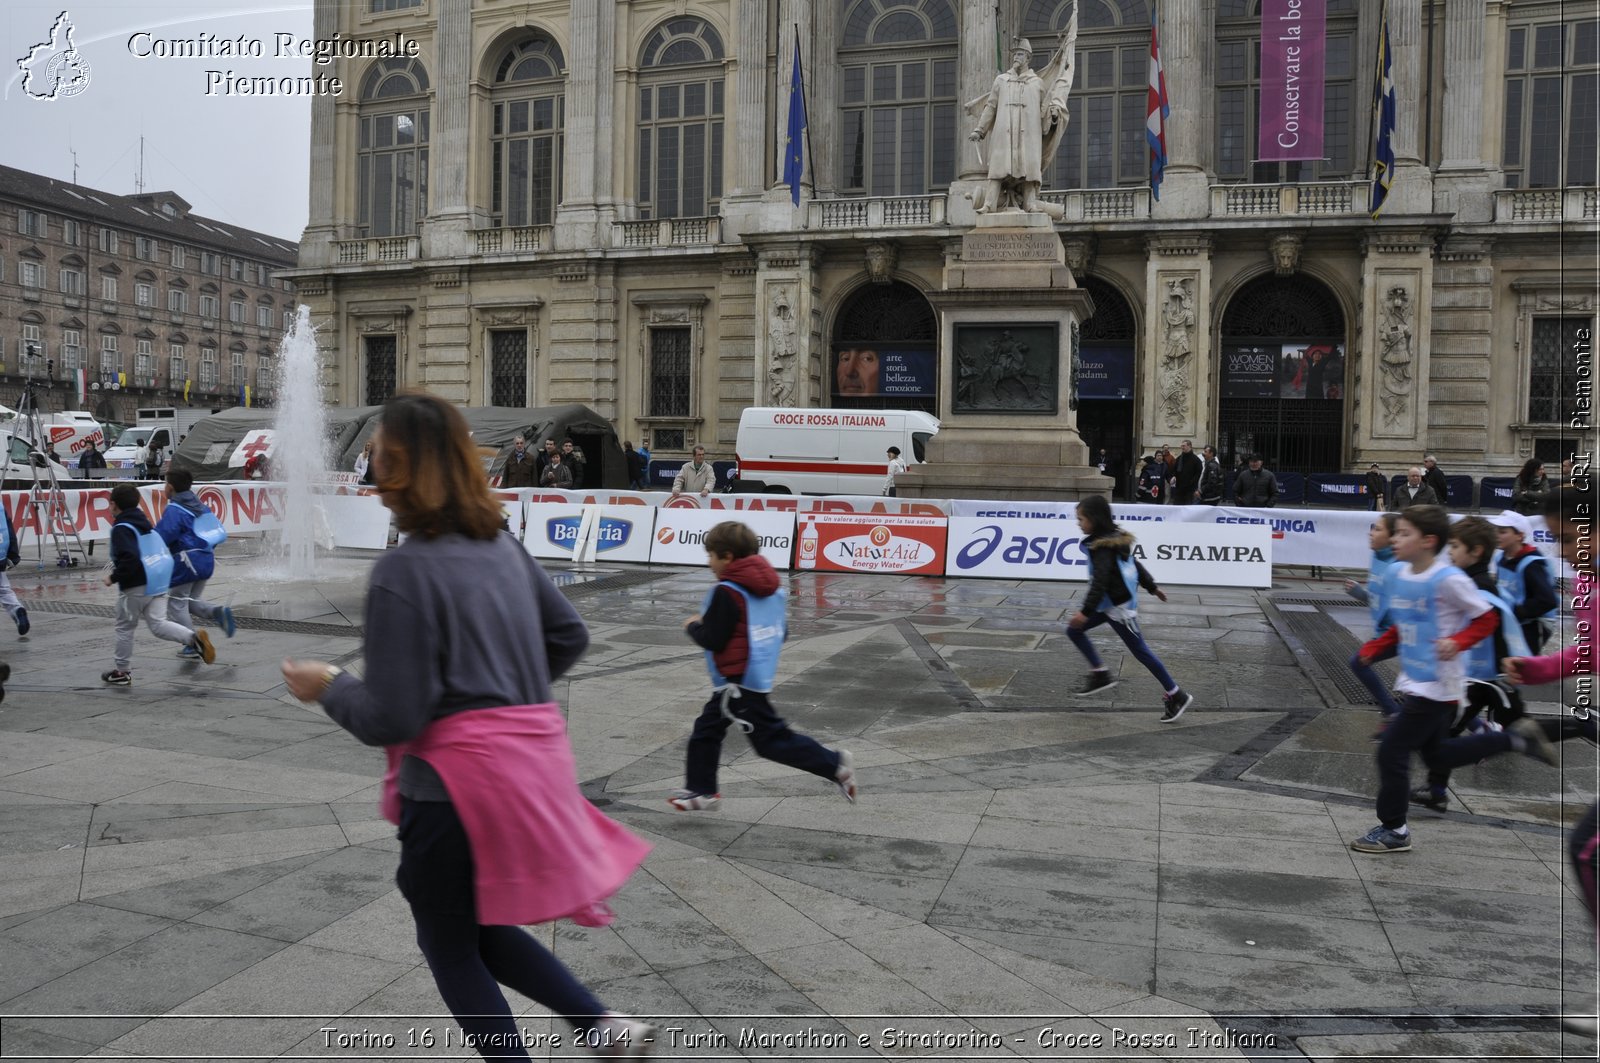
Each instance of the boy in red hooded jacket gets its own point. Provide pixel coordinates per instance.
(741, 627)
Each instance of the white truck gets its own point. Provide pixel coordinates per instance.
(162, 425)
(827, 452)
(68, 433)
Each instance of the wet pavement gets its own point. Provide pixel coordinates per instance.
(194, 866)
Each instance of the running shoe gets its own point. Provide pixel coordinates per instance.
(689, 801)
(226, 622)
(1095, 683)
(23, 623)
(1428, 797)
(1175, 703)
(117, 678)
(845, 775)
(202, 643)
(189, 653)
(1381, 839)
(1528, 737)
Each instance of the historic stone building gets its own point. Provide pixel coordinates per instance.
(582, 201)
(159, 306)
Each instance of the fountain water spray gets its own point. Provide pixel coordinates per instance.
(300, 445)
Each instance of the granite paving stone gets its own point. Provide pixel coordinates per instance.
(200, 844)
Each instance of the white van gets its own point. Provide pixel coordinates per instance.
(827, 452)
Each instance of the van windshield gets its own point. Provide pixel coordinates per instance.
(919, 444)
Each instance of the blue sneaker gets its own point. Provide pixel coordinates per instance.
(189, 653)
(1381, 839)
(226, 622)
(23, 624)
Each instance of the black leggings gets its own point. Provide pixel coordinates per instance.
(470, 961)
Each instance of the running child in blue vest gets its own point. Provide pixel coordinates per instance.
(140, 563)
(191, 532)
(1375, 596)
(8, 597)
(1491, 703)
(741, 627)
(1438, 616)
(1115, 577)
(1525, 578)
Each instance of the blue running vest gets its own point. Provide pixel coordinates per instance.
(1378, 589)
(1513, 586)
(1413, 607)
(1481, 663)
(765, 628)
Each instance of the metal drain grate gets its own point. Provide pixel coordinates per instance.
(1309, 599)
(1331, 645)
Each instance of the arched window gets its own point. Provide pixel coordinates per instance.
(680, 121)
(1283, 375)
(1238, 113)
(885, 350)
(529, 106)
(392, 163)
(897, 116)
(1104, 144)
(1552, 104)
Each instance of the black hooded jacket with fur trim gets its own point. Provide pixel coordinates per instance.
(1105, 582)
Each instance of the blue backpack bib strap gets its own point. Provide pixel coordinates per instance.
(157, 562)
(208, 529)
(1481, 662)
(1378, 579)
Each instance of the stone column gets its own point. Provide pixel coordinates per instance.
(445, 231)
(1392, 421)
(975, 73)
(751, 142)
(1174, 374)
(1185, 31)
(819, 43)
(584, 216)
(1412, 189)
(1462, 185)
(757, 199)
(316, 243)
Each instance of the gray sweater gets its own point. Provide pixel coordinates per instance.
(453, 624)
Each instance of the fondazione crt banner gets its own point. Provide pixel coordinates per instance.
(1293, 71)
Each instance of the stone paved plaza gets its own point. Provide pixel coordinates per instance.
(194, 867)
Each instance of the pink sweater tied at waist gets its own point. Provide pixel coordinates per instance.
(540, 851)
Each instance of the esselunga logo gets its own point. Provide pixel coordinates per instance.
(54, 69)
(1019, 549)
(609, 535)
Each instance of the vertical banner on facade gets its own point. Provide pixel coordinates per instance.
(1293, 68)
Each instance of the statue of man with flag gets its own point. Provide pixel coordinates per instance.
(1024, 117)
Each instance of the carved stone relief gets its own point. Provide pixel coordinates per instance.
(1285, 250)
(1396, 354)
(1079, 254)
(880, 262)
(1177, 352)
(782, 345)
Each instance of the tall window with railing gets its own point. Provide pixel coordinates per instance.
(392, 152)
(526, 119)
(1238, 87)
(110, 356)
(208, 368)
(1552, 102)
(144, 368)
(670, 373)
(1104, 144)
(680, 121)
(177, 367)
(897, 100)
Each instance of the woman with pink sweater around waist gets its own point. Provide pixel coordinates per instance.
(464, 635)
(1570, 515)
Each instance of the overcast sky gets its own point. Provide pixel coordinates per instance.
(237, 159)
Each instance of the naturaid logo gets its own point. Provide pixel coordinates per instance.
(55, 69)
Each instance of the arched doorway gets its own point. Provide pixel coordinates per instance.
(885, 352)
(1283, 375)
(1107, 342)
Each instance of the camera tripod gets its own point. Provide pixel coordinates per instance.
(46, 500)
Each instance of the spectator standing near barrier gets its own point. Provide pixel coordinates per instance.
(522, 468)
(1377, 490)
(545, 455)
(90, 460)
(1152, 485)
(1211, 479)
(1413, 492)
(1186, 475)
(697, 477)
(1434, 478)
(1256, 487)
(1528, 489)
(556, 474)
(572, 456)
(635, 467)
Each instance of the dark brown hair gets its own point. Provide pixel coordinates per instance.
(1474, 533)
(1429, 520)
(180, 479)
(428, 471)
(731, 537)
(125, 496)
(1389, 520)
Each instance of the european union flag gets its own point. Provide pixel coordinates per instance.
(794, 143)
(1383, 106)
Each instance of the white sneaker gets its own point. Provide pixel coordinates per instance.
(845, 776)
(619, 1037)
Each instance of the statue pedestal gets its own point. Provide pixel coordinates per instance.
(1008, 320)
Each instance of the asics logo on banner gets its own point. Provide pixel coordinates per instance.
(612, 533)
(1019, 549)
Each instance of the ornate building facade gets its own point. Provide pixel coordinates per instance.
(156, 305)
(582, 201)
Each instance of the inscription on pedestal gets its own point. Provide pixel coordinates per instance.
(1011, 247)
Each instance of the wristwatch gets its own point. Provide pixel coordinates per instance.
(329, 674)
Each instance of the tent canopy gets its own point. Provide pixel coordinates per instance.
(211, 442)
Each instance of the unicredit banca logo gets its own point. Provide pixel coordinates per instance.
(54, 69)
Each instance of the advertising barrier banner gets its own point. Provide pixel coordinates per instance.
(241, 507)
(732, 505)
(1206, 555)
(680, 535)
(360, 522)
(1015, 548)
(553, 530)
(858, 542)
(1050, 548)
